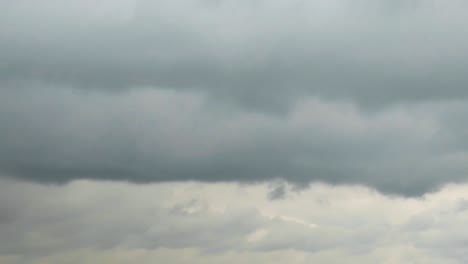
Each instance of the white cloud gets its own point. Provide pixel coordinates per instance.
(92, 220)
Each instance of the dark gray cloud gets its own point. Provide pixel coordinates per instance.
(258, 54)
(362, 92)
(277, 191)
(56, 134)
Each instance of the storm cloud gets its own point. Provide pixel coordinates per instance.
(344, 92)
(259, 54)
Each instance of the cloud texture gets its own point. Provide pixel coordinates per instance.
(115, 222)
(361, 92)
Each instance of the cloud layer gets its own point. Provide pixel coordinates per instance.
(55, 134)
(110, 222)
(362, 92)
(259, 54)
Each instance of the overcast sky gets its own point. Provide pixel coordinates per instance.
(233, 131)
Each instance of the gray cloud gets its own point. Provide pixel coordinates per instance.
(357, 92)
(261, 55)
(56, 134)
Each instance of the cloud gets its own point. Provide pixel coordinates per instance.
(88, 221)
(228, 131)
(257, 54)
(54, 134)
(361, 92)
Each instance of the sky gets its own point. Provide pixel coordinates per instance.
(227, 131)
